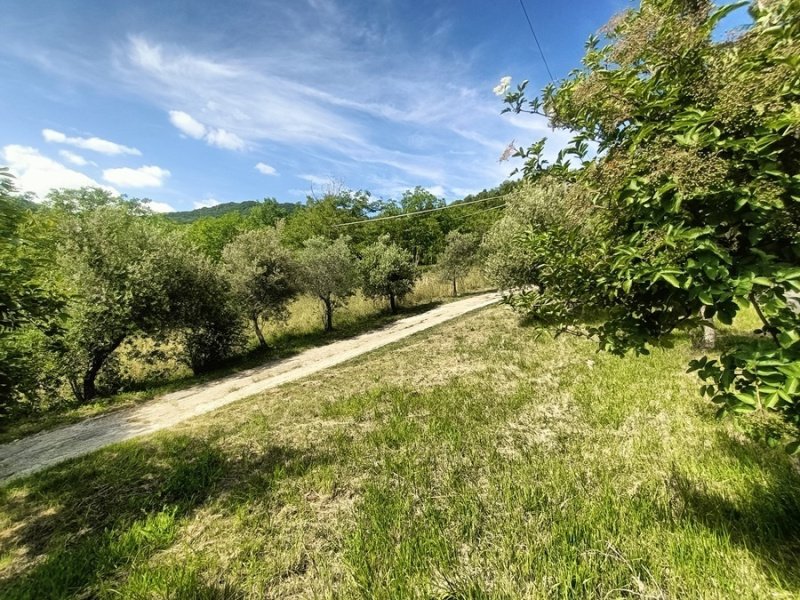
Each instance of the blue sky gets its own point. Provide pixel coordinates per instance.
(192, 103)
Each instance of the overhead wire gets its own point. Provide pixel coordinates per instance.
(426, 210)
(536, 39)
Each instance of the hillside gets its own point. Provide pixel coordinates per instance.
(189, 216)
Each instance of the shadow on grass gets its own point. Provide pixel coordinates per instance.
(93, 519)
(765, 519)
(285, 345)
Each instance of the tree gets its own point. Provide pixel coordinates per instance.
(329, 271)
(262, 274)
(550, 228)
(422, 235)
(459, 256)
(126, 274)
(201, 308)
(267, 213)
(387, 271)
(26, 301)
(212, 234)
(322, 216)
(695, 183)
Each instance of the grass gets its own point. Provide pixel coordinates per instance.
(302, 330)
(475, 460)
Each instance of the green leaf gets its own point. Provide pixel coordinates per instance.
(748, 399)
(787, 339)
(671, 279)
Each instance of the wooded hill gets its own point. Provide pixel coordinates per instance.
(242, 208)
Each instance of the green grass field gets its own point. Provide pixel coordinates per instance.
(479, 459)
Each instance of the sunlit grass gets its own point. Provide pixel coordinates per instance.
(475, 460)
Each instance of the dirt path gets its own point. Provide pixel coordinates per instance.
(51, 447)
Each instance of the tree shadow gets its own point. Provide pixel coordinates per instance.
(765, 521)
(87, 519)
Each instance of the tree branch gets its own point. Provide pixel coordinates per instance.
(767, 326)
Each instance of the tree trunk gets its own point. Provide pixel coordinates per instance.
(709, 334)
(261, 341)
(393, 303)
(328, 313)
(455, 289)
(89, 388)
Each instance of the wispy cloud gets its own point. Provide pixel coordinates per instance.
(143, 177)
(187, 124)
(95, 144)
(266, 169)
(75, 159)
(384, 103)
(317, 179)
(220, 138)
(260, 100)
(225, 139)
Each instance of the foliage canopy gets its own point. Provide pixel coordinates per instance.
(696, 181)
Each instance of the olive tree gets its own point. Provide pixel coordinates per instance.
(695, 179)
(387, 271)
(126, 274)
(329, 271)
(460, 254)
(263, 276)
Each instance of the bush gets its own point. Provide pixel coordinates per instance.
(387, 271)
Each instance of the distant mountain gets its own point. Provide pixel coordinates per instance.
(189, 216)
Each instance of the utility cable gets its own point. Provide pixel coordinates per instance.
(536, 39)
(424, 211)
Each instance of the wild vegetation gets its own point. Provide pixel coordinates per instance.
(559, 451)
(689, 212)
(103, 289)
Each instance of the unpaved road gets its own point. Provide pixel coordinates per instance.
(48, 448)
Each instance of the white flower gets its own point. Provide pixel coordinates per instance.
(501, 88)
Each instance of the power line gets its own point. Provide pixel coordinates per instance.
(477, 212)
(536, 39)
(427, 210)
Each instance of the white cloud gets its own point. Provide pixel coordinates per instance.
(159, 207)
(289, 93)
(205, 203)
(437, 190)
(265, 169)
(39, 174)
(95, 144)
(317, 180)
(463, 192)
(214, 137)
(147, 176)
(75, 159)
(187, 124)
(225, 139)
